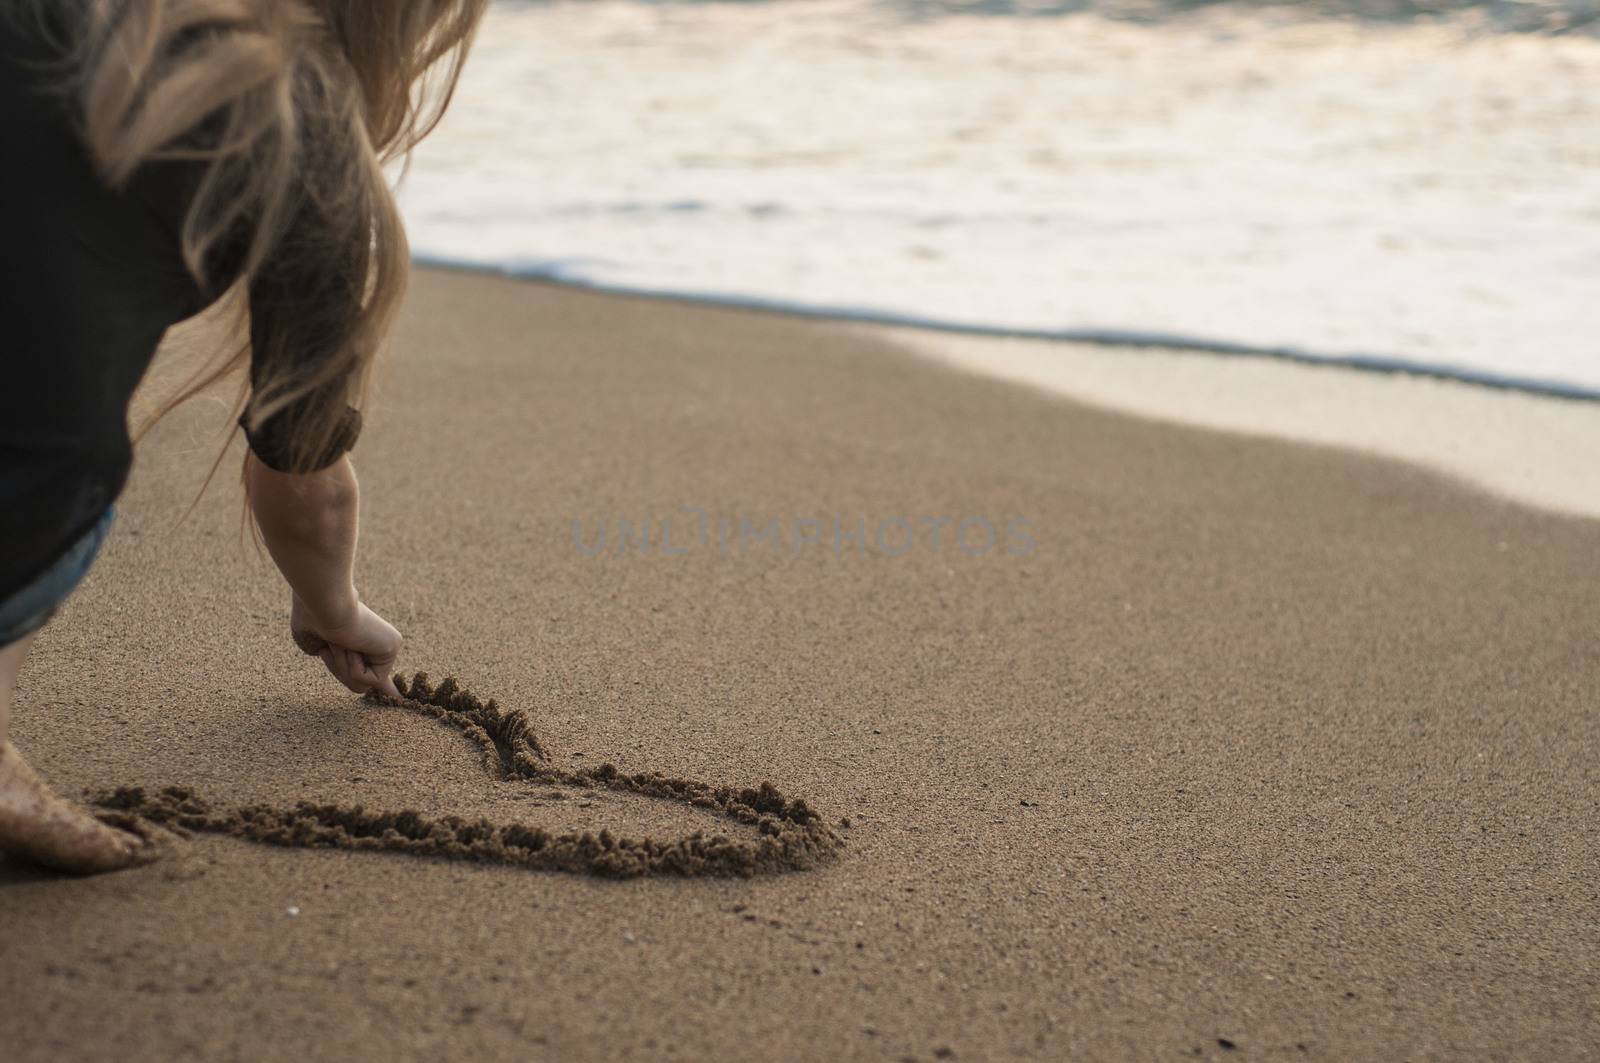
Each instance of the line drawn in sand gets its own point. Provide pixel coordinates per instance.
(791, 836)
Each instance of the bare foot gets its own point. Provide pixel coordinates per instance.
(44, 828)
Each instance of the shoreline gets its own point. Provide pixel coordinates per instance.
(1523, 440)
(1095, 336)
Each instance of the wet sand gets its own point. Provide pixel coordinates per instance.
(1537, 449)
(1257, 748)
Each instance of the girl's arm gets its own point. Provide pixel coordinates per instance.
(308, 521)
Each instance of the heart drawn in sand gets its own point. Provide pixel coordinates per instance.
(790, 835)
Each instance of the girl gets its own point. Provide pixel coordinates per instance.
(162, 155)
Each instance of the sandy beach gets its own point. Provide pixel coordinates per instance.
(1218, 746)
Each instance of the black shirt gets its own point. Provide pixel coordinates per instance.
(90, 280)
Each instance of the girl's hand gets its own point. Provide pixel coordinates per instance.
(360, 651)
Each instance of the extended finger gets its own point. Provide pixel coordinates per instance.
(338, 664)
(355, 672)
(362, 670)
(386, 683)
(380, 672)
(372, 676)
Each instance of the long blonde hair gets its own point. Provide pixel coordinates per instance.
(289, 106)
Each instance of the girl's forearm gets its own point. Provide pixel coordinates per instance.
(309, 525)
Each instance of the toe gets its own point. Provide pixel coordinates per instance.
(39, 825)
(79, 845)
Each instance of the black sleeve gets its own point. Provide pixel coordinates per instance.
(307, 292)
(294, 296)
(285, 297)
(272, 442)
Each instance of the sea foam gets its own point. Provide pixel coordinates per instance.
(1413, 196)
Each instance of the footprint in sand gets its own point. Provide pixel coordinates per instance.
(790, 835)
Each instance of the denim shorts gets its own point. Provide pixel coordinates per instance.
(30, 608)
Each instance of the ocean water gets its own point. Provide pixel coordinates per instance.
(1411, 190)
